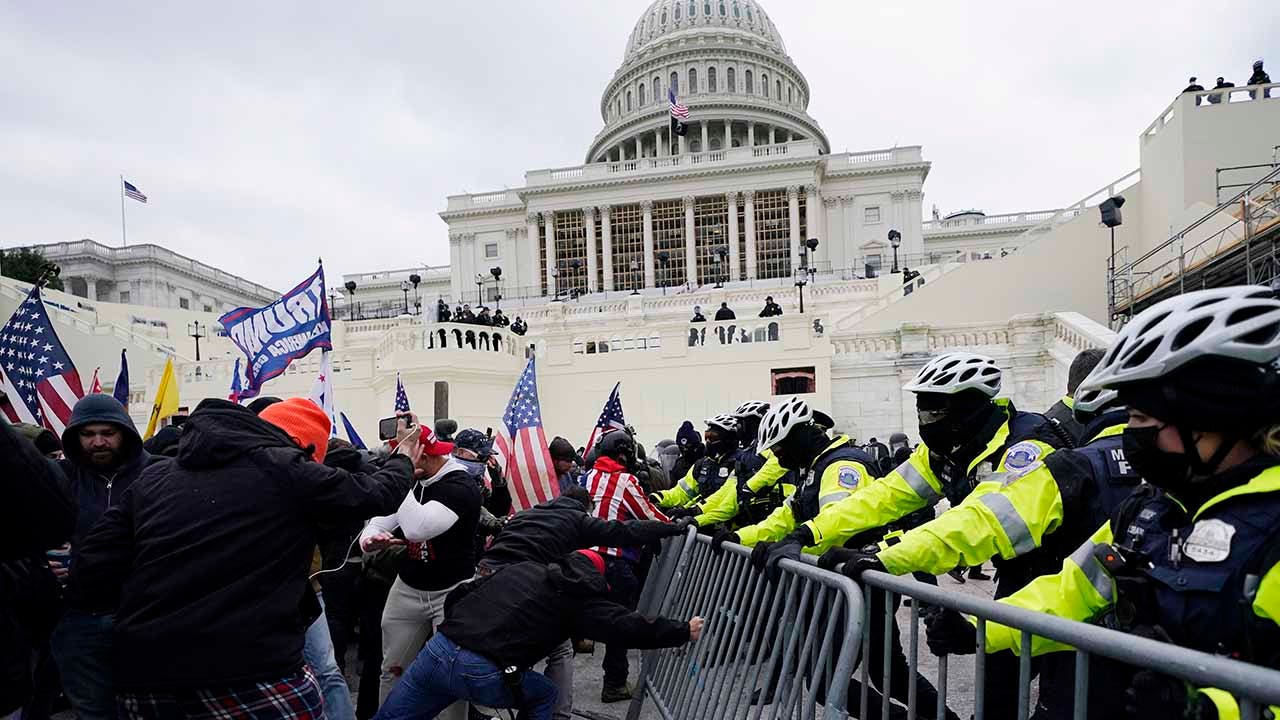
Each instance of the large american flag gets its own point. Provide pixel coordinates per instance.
(402, 400)
(677, 110)
(530, 473)
(610, 418)
(40, 382)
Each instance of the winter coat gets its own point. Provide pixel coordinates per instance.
(550, 530)
(518, 615)
(205, 558)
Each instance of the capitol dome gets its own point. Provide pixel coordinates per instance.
(727, 63)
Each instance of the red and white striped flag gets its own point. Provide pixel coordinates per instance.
(40, 382)
(530, 473)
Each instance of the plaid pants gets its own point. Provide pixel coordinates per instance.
(297, 696)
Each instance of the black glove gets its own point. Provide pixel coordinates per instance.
(788, 548)
(835, 556)
(495, 477)
(721, 537)
(676, 527)
(745, 497)
(949, 633)
(758, 554)
(861, 561)
(1152, 694)
(677, 513)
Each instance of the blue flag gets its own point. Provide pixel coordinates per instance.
(236, 387)
(271, 337)
(121, 390)
(351, 432)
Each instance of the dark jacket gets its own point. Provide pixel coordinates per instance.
(36, 515)
(772, 309)
(1065, 418)
(519, 615)
(206, 557)
(95, 490)
(725, 313)
(553, 529)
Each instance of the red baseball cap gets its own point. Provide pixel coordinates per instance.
(431, 445)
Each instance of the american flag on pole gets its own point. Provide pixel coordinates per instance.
(523, 443)
(133, 192)
(402, 400)
(40, 382)
(610, 418)
(679, 113)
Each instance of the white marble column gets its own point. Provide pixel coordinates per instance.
(589, 227)
(773, 135)
(705, 146)
(553, 282)
(811, 212)
(728, 135)
(647, 207)
(531, 239)
(793, 217)
(732, 198)
(690, 245)
(638, 147)
(749, 210)
(683, 143)
(751, 136)
(91, 288)
(657, 143)
(606, 244)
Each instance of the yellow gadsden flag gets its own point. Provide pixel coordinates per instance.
(166, 402)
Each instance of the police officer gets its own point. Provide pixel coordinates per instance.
(760, 486)
(1029, 520)
(1062, 412)
(1193, 556)
(708, 474)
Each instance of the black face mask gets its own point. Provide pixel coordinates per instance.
(952, 430)
(800, 448)
(1166, 470)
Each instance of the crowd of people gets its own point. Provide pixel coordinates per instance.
(221, 573)
(1259, 77)
(464, 314)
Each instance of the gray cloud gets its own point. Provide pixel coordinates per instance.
(267, 134)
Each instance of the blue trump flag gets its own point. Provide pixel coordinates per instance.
(121, 390)
(271, 337)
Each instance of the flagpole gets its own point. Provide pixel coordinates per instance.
(124, 238)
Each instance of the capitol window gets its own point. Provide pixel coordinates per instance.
(711, 79)
(750, 18)
(764, 84)
(737, 12)
(733, 80)
(657, 90)
(677, 12)
(706, 8)
(749, 87)
(693, 9)
(871, 215)
(642, 94)
(789, 94)
(664, 17)
(628, 101)
(184, 303)
(778, 85)
(490, 250)
(675, 82)
(693, 81)
(124, 297)
(722, 13)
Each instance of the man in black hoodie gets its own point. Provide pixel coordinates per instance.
(103, 457)
(206, 560)
(511, 620)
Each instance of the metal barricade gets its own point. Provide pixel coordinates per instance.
(1254, 686)
(769, 649)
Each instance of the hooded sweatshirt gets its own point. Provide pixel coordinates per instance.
(205, 558)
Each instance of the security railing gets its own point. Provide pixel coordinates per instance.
(790, 643)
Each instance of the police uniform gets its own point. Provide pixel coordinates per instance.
(1210, 579)
(839, 472)
(1019, 441)
(706, 476)
(757, 474)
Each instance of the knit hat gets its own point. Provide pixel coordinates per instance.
(262, 403)
(595, 559)
(687, 436)
(303, 421)
(44, 439)
(562, 449)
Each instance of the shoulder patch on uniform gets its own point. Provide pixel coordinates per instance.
(849, 478)
(1209, 541)
(724, 472)
(1009, 476)
(1022, 454)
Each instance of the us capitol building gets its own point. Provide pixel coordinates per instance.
(606, 259)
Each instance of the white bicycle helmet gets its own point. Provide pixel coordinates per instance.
(1091, 400)
(753, 408)
(956, 372)
(723, 421)
(1240, 322)
(781, 420)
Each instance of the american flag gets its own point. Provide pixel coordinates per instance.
(610, 418)
(133, 192)
(402, 400)
(677, 110)
(523, 443)
(121, 390)
(236, 385)
(39, 380)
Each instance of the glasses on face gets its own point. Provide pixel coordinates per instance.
(928, 417)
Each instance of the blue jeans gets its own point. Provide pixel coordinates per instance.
(317, 652)
(81, 647)
(444, 673)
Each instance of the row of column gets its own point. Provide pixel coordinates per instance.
(725, 131)
(548, 217)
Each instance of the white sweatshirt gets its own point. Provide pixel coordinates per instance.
(420, 522)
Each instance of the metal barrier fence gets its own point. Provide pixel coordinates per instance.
(1253, 686)
(790, 644)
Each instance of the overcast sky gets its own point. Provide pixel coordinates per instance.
(267, 134)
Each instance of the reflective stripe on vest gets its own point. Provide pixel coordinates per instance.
(1085, 559)
(918, 483)
(1015, 528)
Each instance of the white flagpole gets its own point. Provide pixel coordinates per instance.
(124, 238)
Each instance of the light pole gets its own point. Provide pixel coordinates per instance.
(723, 265)
(415, 278)
(404, 288)
(575, 265)
(663, 258)
(804, 274)
(496, 272)
(1110, 211)
(554, 275)
(196, 331)
(634, 266)
(895, 239)
(352, 307)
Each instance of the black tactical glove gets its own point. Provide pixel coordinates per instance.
(678, 513)
(1152, 694)
(758, 554)
(949, 633)
(835, 556)
(788, 549)
(861, 561)
(721, 537)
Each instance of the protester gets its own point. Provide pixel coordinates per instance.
(878, 451)
(484, 318)
(771, 308)
(340, 556)
(436, 522)
(442, 311)
(1193, 86)
(500, 320)
(566, 462)
(44, 439)
(165, 441)
(499, 626)
(519, 327)
(206, 558)
(474, 450)
(617, 496)
(691, 449)
(104, 456)
(724, 313)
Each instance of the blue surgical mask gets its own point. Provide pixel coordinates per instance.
(474, 468)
